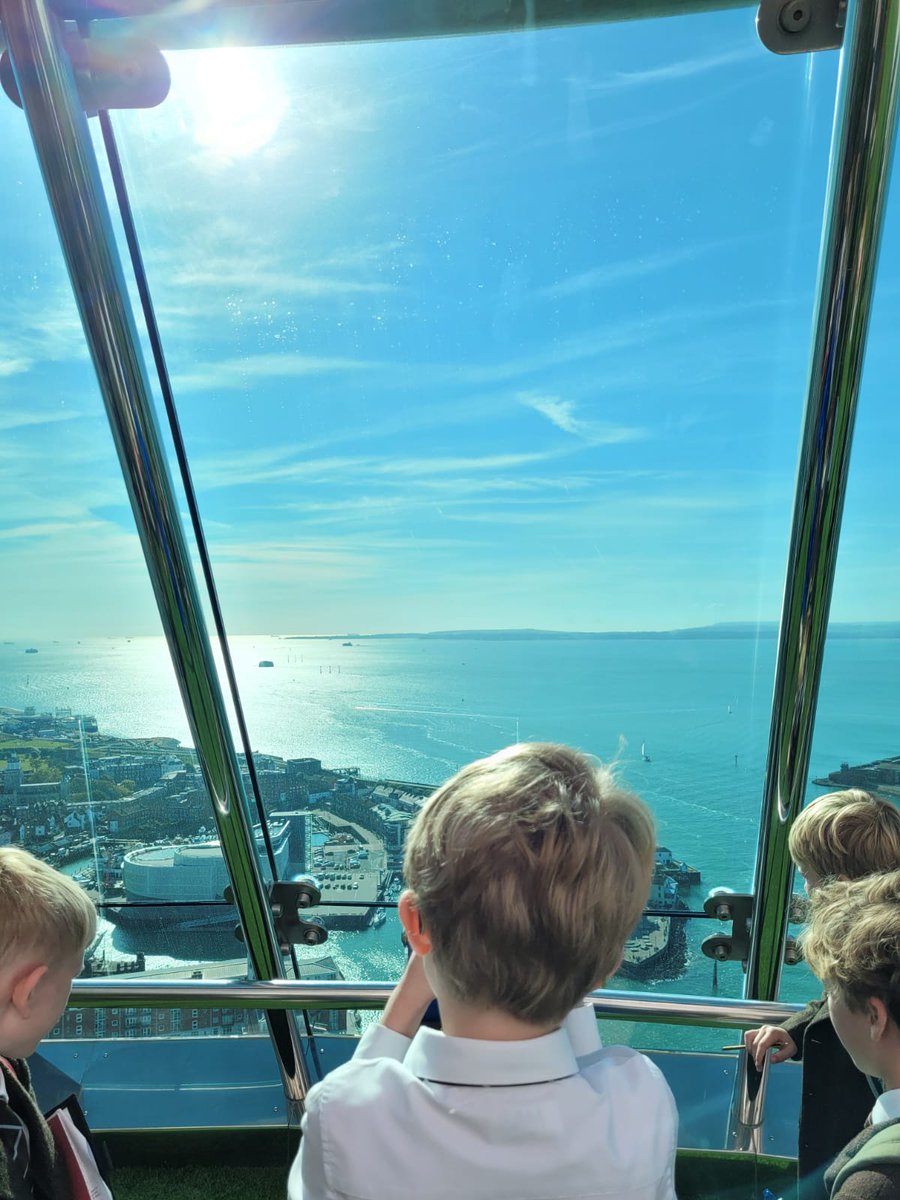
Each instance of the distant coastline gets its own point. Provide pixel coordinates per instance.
(722, 631)
(726, 630)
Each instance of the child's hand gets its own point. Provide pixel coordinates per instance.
(410, 998)
(760, 1041)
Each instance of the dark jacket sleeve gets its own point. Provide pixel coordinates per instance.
(879, 1182)
(13, 1184)
(797, 1025)
(47, 1177)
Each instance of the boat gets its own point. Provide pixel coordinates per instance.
(266, 662)
(644, 755)
(378, 919)
(346, 643)
(31, 650)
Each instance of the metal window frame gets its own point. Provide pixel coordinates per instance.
(174, 26)
(859, 172)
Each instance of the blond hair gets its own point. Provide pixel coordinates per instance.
(530, 869)
(41, 910)
(852, 941)
(850, 833)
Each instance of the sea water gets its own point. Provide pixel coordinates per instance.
(686, 721)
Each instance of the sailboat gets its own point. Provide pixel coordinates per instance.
(644, 755)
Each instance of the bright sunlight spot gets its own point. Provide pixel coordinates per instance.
(235, 99)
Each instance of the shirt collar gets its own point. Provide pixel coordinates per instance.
(439, 1058)
(4, 1094)
(887, 1107)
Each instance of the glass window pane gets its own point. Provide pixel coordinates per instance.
(495, 334)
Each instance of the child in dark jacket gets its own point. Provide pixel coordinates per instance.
(46, 922)
(852, 944)
(844, 835)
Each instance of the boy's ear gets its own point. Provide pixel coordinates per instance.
(23, 988)
(879, 1018)
(411, 920)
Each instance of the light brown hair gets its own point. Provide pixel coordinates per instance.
(41, 909)
(530, 869)
(850, 833)
(852, 941)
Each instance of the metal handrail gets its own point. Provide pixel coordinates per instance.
(862, 147)
(71, 176)
(342, 994)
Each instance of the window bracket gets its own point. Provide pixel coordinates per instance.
(801, 26)
(722, 904)
(287, 898)
(110, 72)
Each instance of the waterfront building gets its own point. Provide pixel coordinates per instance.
(190, 874)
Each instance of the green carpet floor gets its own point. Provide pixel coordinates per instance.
(701, 1176)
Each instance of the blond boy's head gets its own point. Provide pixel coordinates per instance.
(846, 835)
(852, 940)
(46, 922)
(529, 870)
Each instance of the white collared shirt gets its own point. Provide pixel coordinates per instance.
(449, 1118)
(887, 1107)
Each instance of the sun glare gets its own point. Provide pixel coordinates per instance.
(235, 100)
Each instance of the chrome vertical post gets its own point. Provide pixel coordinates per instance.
(748, 1107)
(861, 153)
(71, 176)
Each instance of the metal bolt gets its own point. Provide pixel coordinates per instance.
(795, 16)
(721, 953)
(723, 912)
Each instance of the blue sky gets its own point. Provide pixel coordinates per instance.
(496, 332)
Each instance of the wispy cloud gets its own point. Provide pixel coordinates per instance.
(563, 414)
(426, 466)
(560, 412)
(235, 373)
(40, 326)
(687, 68)
(48, 529)
(22, 418)
(249, 276)
(360, 471)
(13, 366)
(611, 274)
